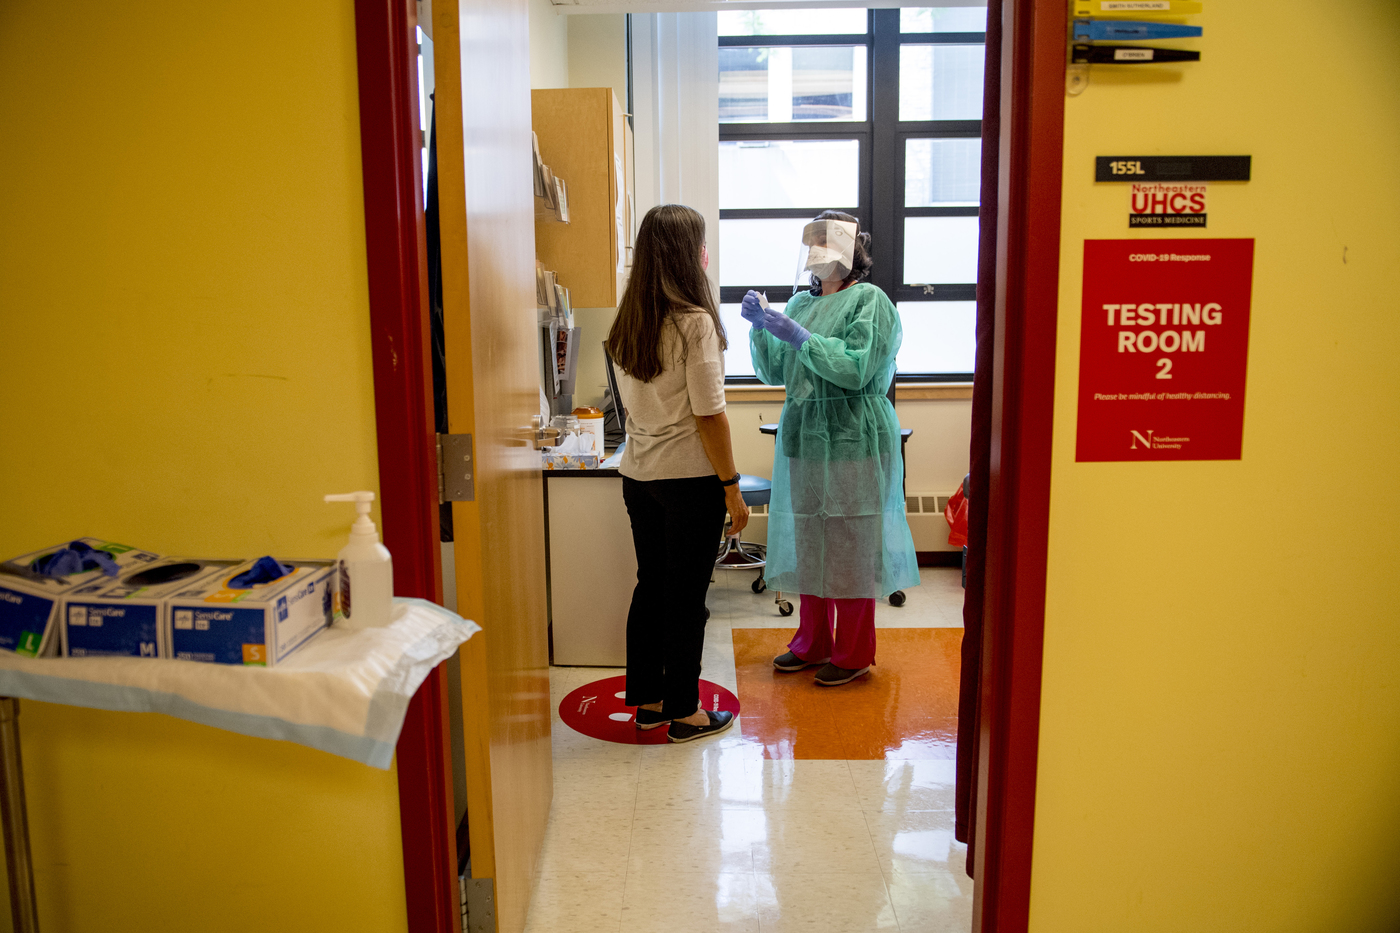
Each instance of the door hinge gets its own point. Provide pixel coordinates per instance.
(478, 905)
(456, 468)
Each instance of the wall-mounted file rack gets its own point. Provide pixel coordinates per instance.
(559, 340)
(551, 298)
(1101, 30)
(551, 194)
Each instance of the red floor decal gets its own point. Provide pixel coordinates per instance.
(598, 710)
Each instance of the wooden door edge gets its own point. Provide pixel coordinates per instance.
(466, 516)
(397, 274)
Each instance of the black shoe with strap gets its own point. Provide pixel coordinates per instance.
(684, 732)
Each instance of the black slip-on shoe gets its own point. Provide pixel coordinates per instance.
(650, 719)
(833, 676)
(790, 662)
(684, 732)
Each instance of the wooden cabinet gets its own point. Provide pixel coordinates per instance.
(583, 139)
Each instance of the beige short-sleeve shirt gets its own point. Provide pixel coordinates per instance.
(662, 439)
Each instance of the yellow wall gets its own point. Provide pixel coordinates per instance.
(549, 46)
(140, 823)
(1221, 699)
(186, 361)
(185, 366)
(598, 52)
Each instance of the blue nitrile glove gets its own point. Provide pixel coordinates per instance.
(265, 570)
(751, 310)
(785, 328)
(75, 558)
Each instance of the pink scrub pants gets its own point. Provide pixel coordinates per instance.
(854, 645)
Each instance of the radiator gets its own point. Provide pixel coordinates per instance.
(926, 521)
(924, 512)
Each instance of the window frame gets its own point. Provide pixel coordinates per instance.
(882, 139)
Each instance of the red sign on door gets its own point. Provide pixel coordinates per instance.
(1163, 349)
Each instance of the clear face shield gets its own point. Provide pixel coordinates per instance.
(828, 250)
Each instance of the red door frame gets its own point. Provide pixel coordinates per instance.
(386, 46)
(1031, 150)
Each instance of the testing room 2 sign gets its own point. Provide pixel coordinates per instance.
(1163, 349)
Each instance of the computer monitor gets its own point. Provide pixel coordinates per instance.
(618, 408)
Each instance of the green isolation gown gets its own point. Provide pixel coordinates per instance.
(836, 524)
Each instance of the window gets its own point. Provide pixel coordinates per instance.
(782, 84)
(425, 100)
(786, 173)
(876, 112)
(821, 22)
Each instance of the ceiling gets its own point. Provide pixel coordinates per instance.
(695, 6)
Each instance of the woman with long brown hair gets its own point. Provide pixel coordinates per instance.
(678, 475)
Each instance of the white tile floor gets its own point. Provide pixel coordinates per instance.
(712, 837)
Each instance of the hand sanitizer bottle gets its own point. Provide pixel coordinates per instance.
(366, 569)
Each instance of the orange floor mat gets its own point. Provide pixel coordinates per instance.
(906, 707)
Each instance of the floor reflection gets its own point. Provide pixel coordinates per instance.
(905, 708)
(824, 809)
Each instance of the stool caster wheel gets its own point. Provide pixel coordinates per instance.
(784, 607)
(897, 598)
(759, 585)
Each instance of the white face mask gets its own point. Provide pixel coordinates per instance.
(828, 249)
(821, 264)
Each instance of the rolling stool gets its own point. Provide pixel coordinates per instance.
(897, 598)
(734, 554)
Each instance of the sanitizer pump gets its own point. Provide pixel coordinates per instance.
(366, 569)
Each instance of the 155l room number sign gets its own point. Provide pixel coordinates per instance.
(1163, 349)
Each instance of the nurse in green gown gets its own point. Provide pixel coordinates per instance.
(837, 533)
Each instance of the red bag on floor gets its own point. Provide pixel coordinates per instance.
(956, 513)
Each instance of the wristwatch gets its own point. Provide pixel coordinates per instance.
(730, 482)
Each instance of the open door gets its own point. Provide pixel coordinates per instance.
(485, 198)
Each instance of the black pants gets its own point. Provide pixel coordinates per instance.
(676, 528)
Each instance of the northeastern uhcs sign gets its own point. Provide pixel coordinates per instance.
(1167, 205)
(1163, 349)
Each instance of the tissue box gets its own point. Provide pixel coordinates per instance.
(572, 461)
(259, 626)
(31, 605)
(125, 618)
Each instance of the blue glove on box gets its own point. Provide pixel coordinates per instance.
(75, 558)
(785, 328)
(751, 309)
(265, 570)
